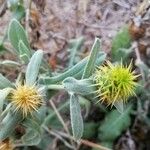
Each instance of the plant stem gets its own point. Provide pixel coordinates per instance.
(59, 116)
(55, 87)
(61, 120)
(58, 136)
(85, 142)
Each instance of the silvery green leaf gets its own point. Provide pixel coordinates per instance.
(90, 65)
(75, 71)
(8, 124)
(70, 72)
(32, 135)
(4, 82)
(76, 117)
(114, 124)
(16, 33)
(24, 52)
(33, 67)
(3, 95)
(83, 87)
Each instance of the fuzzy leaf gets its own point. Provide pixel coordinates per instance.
(4, 82)
(32, 135)
(76, 117)
(24, 52)
(114, 124)
(76, 71)
(3, 95)
(16, 33)
(33, 67)
(92, 59)
(8, 124)
(70, 72)
(83, 87)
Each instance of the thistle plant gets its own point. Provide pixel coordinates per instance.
(21, 103)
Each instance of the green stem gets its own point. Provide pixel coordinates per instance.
(55, 87)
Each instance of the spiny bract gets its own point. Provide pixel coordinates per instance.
(115, 83)
(26, 99)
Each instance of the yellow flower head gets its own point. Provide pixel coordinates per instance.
(6, 145)
(115, 83)
(26, 99)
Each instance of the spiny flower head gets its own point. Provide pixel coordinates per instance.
(6, 145)
(115, 82)
(26, 99)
